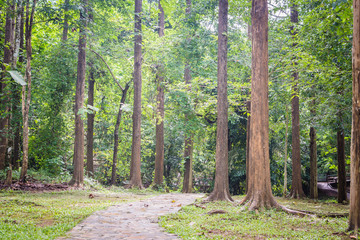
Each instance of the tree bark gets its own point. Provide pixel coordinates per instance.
(296, 186)
(342, 195)
(8, 53)
(248, 106)
(90, 127)
(26, 93)
(313, 164)
(78, 173)
(116, 134)
(259, 189)
(221, 187)
(18, 35)
(160, 114)
(354, 220)
(65, 24)
(135, 169)
(285, 152)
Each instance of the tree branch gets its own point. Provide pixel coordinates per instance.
(108, 67)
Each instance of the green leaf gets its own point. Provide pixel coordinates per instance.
(18, 78)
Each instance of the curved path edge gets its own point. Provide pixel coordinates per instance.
(134, 220)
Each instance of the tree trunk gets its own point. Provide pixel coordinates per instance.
(188, 179)
(26, 93)
(78, 174)
(248, 107)
(296, 186)
(342, 195)
(65, 24)
(313, 164)
(8, 52)
(259, 189)
(18, 35)
(135, 169)
(116, 134)
(221, 187)
(90, 127)
(285, 153)
(159, 148)
(354, 221)
(188, 148)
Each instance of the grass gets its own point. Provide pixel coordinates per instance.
(238, 223)
(25, 215)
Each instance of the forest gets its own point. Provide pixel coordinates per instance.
(257, 98)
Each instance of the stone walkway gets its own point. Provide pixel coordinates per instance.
(136, 220)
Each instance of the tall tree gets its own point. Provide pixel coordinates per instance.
(313, 164)
(221, 187)
(66, 21)
(90, 125)
(135, 173)
(26, 93)
(286, 153)
(159, 148)
(296, 185)
(188, 149)
(259, 193)
(78, 161)
(354, 221)
(342, 195)
(8, 53)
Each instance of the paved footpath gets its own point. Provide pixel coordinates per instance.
(135, 220)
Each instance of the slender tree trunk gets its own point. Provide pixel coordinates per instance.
(66, 24)
(90, 127)
(159, 148)
(221, 187)
(4, 106)
(188, 178)
(19, 24)
(259, 189)
(116, 134)
(354, 221)
(248, 106)
(296, 186)
(188, 148)
(313, 164)
(135, 172)
(26, 94)
(21, 46)
(286, 153)
(342, 195)
(78, 174)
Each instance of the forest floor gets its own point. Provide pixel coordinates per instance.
(49, 214)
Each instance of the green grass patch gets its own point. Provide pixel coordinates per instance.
(25, 215)
(192, 222)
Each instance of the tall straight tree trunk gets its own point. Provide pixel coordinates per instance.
(259, 193)
(116, 133)
(285, 152)
(65, 24)
(248, 107)
(188, 148)
(135, 169)
(221, 187)
(159, 148)
(26, 93)
(354, 220)
(4, 106)
(78, 174)
(342, 195)
(18, 35)
(90, 126)
(313, 164)
(296, 186)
